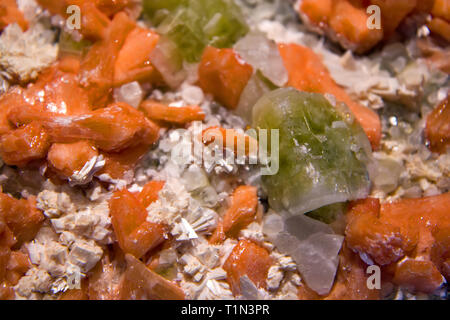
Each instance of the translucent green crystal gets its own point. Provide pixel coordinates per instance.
(151, 7)
(323, 151)
(256, 87)
(182, 28)
(67, 45)
(328, 214)
(168, 61)
(223, 24)
(194, 24)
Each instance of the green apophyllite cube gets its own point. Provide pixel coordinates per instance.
(323, 151)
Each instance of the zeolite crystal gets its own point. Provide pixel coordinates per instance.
(323, 151)
(312, 244)
(194, 24)
(262, 53)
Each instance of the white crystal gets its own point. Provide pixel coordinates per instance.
(262, 53)
(312, 244)
(130, 93)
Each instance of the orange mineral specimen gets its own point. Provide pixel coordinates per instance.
(149, 193)
(141, 283)
(242, 212)
(21, 146)
(119, 165)
(421, 276)
(97, 67)
(134, 234)
(112, 129)
(177, 115)
(351, 279)
(437, 128)
(247, 259)
(410, 237)
(242, 144)
(68, 158)
(367, 233)
(348, 21)
(224, 74)
(133, 62)
(105, 278)
(55, 92)
(10, 13)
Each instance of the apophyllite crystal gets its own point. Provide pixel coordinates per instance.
(194, 24)
(323, 151)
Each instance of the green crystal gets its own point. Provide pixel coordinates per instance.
(182, 28)
(67, 45)
(151, 7)
(257, 86)
(224, 22)
(323, 151)
(195, 24)
(328, 214)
